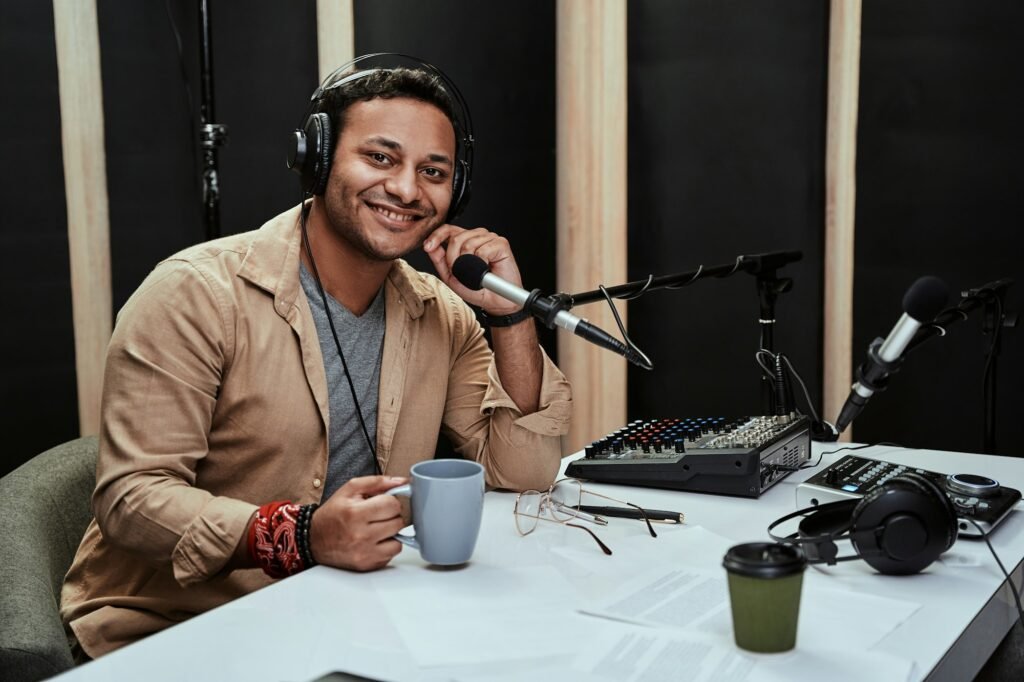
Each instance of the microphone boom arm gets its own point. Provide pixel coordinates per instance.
(754, 264)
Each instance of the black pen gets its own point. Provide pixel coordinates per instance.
(654, 515)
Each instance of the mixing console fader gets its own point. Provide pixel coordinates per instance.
(743, 456)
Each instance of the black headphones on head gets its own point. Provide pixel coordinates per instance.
(899, 528)
(311, 147)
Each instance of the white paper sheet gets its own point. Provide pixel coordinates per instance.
(693, 598)
(627, 653)
(442, 616)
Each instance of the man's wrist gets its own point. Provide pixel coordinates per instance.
(512, 319)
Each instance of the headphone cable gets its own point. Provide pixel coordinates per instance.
(1006, 574)
(304, 212)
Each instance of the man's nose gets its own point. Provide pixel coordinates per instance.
(403, 184)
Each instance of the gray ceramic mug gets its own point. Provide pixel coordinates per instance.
(447, 499)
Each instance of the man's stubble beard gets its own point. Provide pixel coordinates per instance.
(345, 224)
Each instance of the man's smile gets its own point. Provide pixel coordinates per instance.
(394, 215)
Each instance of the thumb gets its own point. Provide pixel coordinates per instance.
(367, 486)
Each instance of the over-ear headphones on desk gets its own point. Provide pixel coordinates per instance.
(899, 528)
(311, 146)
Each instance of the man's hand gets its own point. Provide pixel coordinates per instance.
(448, 242)
(353, 528)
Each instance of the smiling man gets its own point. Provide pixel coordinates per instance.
(264, 389)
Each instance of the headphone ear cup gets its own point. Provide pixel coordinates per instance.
(309, 154)
(460, 190)
(901, 527)
(320, 153)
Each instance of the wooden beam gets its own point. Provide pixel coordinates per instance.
(591, 191)
(840, 201)
(85, 186)
(335, 35)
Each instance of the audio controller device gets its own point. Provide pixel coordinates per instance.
(973, 496)
(741, 457)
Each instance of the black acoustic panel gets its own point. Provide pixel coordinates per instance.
(150, 131)
(938, 192)
(502, 58)
(39, 404)
(726, 157)
(265, 62)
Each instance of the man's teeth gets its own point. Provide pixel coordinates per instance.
(392, 215)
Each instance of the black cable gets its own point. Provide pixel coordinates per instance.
(772, 375)
(808, 465)
(622, 328)
(304, 212)
(646, 286)
(1006, 574)
(986, 375)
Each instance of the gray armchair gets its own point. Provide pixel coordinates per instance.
(45, 505)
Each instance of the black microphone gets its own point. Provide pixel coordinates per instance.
(474, 274)
(923, 301)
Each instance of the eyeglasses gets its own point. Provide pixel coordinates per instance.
(561, 504)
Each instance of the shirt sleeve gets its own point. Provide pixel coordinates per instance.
(170, 346)
(520, 452)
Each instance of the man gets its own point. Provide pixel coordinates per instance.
(230, 410)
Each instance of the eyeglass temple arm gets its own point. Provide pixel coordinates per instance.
(604, 547)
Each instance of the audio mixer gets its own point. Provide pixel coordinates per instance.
(743, 456)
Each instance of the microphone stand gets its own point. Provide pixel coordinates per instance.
(992, 298)
(769, 286)
(211, 135)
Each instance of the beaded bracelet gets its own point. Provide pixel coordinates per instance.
(303, 534)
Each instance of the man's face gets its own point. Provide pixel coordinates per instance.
(391, 176)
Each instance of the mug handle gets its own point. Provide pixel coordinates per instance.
(404, 491)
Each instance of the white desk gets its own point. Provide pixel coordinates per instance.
(325, 620)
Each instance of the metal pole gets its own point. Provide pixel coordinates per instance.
(211, 135)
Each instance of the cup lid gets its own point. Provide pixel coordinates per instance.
(764, 560)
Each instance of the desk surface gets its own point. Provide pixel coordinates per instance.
(325, 620)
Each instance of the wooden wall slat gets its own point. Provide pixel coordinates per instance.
(840, 201)
(591, 198)
(335, 34)
(85, 184)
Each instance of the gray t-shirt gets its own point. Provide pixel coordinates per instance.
(362, 341)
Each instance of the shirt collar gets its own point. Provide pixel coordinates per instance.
(272, 263)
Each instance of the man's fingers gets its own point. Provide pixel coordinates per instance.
(368, 486)
(378, 508)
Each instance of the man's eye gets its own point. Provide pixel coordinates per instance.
(434, 173)
(378, 157)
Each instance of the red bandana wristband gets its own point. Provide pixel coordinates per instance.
(272, 541)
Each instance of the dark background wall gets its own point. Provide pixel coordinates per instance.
(939, 192)
(726, 157)
(39, 406)
(726, 133)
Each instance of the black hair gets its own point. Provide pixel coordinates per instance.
(385, 84)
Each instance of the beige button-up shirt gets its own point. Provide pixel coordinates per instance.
(215, 402)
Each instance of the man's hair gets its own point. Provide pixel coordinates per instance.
(386, 84)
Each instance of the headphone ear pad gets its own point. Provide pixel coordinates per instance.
(460, 190)
(320, 152)
(901, 527)
(819, 527)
